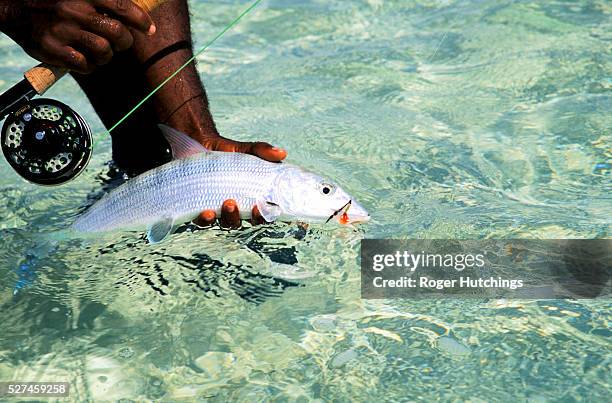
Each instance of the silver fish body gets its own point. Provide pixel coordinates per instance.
(181, 189)
(198, 179)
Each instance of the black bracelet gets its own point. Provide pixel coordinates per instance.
(165, 52)
(200, 95)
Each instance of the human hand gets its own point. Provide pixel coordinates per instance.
(78, 35)
(230, 216)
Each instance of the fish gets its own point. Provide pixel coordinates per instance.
(198, 179)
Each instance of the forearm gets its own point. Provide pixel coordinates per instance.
(182, 102)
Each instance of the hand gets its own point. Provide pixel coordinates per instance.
(230, 216)
(78, 35)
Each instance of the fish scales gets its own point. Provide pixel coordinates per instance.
(182, 188)
(199, 179)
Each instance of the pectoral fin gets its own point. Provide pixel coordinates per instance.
(160, 230)
(269, 211)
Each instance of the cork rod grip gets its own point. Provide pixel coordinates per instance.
(43, 76)
(148, 5)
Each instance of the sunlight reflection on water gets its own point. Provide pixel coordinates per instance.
(495, 131)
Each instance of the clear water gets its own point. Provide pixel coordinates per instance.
(466, 119)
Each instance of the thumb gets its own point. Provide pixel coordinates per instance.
(267, 152)
(259, 149)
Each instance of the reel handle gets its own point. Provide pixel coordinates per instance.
(43, 76)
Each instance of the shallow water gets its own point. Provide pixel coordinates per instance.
(446, 119)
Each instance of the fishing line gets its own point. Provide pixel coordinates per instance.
(187, 63)
(437, 47)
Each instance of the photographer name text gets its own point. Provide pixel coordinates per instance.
(409, 262)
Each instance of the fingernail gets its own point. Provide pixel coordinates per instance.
(152, 30)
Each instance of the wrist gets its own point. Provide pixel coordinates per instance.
(192, 117)
(181, 103)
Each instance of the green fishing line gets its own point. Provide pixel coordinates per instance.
(199, 52)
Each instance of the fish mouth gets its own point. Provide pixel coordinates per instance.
(361, 217)
(341, 209)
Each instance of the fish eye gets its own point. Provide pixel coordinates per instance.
(327, 189)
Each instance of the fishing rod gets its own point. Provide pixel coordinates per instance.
(45, 141)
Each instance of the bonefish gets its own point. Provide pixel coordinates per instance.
(198, 179)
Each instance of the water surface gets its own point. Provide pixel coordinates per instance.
(446, 119)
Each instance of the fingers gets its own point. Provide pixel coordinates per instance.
(114, 31)
(76, 61)
(267, 152)
(256, 218)
(129, 13)
(205, 219)
(262, 150)
(96, 49)
(67, 56)
(80, 35)
(230, 216)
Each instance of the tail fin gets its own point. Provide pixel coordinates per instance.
(26, 273)
(31, 262)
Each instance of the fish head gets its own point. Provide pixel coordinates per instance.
(309, 197)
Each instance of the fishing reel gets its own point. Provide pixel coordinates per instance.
(46, 142)
(43, 140)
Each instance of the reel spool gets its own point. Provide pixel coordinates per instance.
(46, 142)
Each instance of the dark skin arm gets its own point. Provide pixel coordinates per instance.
(75, 34)
(183, 103)
(84, 35)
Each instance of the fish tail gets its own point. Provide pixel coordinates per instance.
(30, 264)
(26, 274)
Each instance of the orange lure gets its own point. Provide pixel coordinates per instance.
(344, 219)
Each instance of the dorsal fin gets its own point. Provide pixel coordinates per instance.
(182, 145)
